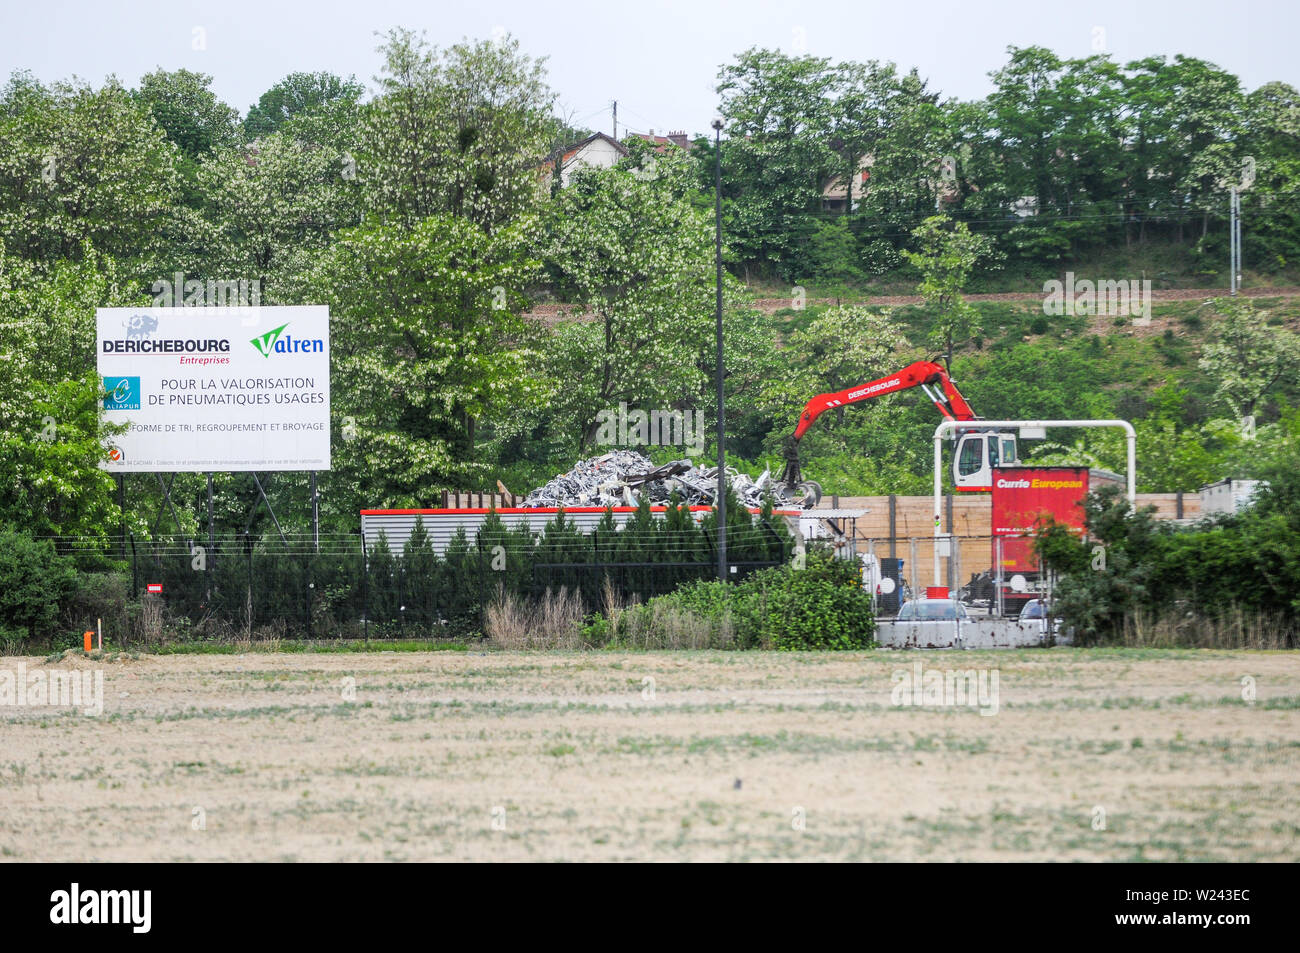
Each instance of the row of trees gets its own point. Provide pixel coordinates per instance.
(1063, 155)
(248, 585)
(417, 215)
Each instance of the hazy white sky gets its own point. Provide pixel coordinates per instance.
(658, 58)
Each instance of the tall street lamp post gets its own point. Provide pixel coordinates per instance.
(722, 450)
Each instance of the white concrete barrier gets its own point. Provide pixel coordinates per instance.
(968, 634)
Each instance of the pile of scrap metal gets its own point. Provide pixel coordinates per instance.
(623, 477)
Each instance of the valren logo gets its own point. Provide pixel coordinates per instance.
(272, 341)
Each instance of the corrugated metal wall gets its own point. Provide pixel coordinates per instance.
(442, 524)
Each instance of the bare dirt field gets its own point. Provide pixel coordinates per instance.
(1092, 755)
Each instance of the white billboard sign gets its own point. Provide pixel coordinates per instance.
(216, 388)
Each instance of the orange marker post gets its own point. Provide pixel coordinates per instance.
(89, 636)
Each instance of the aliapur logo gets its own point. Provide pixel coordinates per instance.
(103, 906)
(122, 393)
(272, 341)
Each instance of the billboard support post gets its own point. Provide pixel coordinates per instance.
(315, 515)
(1130, 437)
(212, 535)
(166, 504)
(262, 496)
(121, 510)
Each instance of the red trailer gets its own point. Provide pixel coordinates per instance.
(1023, 498)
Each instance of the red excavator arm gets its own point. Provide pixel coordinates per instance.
(930, 376)
(924, 374)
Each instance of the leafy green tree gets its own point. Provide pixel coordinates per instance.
(861, 114)
(383, 581)
(419, 569)
(839, 348)
(504, 554)
(460, 132)
(1174, 458)
(185, 108)
(1209, 106)
(1152, 164)
(79, 164)
(1247, 358)
(635, 260)
(268, 209)
(828, 255)
(462, 584)
(33, 581)
(423, 319)
(778, 151)
(52, 438)
(1272, 204)
(1243, 564)
(907, 172)
(562, 542)
(189, 113)
(946, 254)
(1057, 129)
(757, 370)
(297, 94)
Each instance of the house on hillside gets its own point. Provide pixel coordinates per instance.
(674, 140)
(835, 193)
(596, 151)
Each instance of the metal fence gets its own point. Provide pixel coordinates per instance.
(299, 587)
(993, 576)
(332, 587)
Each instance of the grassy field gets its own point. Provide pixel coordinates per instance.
(1091, 755)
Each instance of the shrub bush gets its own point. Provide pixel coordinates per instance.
(822, 606)
(34, 580)
(1214, 580)
(105, 596)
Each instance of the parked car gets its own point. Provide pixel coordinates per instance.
(1036, 610)
(1033, 609)
(932, 610)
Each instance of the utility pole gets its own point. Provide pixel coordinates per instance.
(1234, 224)
(722, 451)
(1234, 236)
(616, 120)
